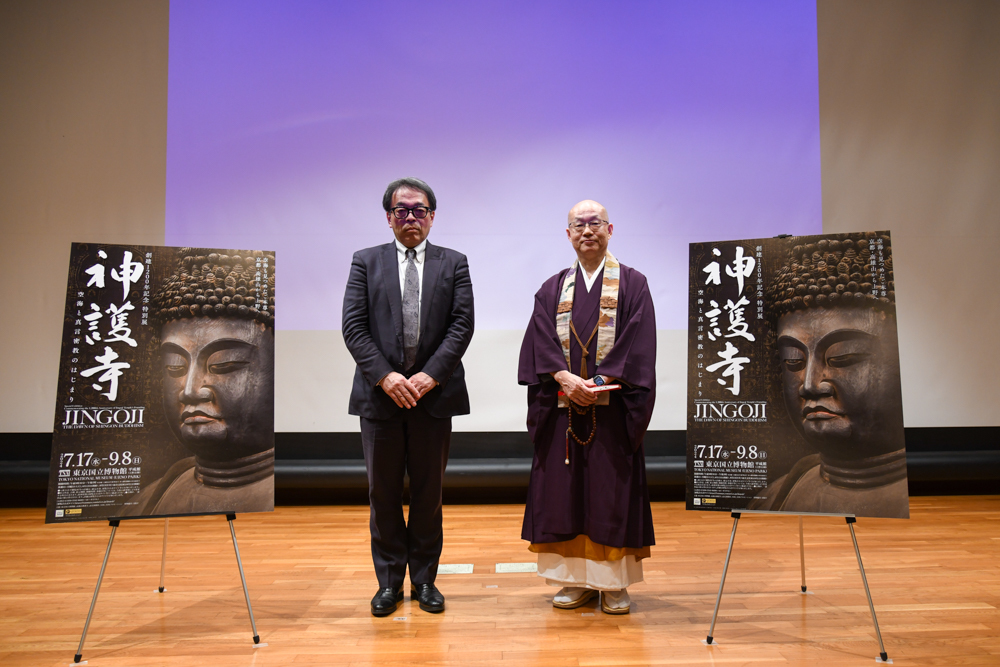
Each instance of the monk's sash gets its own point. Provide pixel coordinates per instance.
(606, 322)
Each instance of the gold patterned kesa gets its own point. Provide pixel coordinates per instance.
(609, 308)
(605, 331)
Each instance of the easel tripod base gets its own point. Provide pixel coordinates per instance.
(851, 520)
(114, 523)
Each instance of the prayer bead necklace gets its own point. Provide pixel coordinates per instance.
(570, 409)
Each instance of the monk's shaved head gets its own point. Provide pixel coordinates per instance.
(587, 207)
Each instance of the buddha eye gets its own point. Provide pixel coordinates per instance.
(843, 354)
(793, 359)
(174, 364)
(175, 370)
(845, 360)
(794, 365)
(224, 367)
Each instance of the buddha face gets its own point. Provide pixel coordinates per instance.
(218, 385)
(840, 377)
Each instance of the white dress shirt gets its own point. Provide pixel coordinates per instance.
(418, 260)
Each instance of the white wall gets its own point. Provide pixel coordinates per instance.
(910, 138)
(83, 120)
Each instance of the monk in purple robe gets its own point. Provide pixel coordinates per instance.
(587, 514)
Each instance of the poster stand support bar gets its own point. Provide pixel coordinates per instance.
(725, 568)
(93, 603)
(850, 524)
(232, 531)
(802, 553)
(163, 559)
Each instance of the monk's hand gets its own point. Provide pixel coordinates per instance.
(400, 390)
(575, 388)
(423, 383)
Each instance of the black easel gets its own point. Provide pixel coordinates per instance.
(851, 520)
(114, 527)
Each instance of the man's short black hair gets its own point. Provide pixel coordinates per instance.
(408, 182)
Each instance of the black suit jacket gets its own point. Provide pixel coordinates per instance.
(373, 329)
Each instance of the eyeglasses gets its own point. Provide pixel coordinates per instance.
(594, 225)
(401, 212)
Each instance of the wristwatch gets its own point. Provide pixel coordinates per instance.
(599, 380)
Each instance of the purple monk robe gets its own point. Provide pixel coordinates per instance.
(602, 493)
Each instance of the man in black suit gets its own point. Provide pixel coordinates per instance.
(408, 319)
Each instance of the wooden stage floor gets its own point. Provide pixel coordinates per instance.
(935, 580)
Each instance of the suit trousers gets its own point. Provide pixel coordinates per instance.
(417, 444)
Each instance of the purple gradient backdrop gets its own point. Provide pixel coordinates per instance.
(690, 121)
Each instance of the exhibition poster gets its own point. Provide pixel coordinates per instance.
(165, 400)
(794, 401)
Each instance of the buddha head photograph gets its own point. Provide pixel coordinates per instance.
(215, 360)
(835, 346)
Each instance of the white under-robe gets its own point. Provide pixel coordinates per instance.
(600, 575)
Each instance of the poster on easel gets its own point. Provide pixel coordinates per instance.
(794, 402)
(165, 399)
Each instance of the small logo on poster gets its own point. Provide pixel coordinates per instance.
(78, 416)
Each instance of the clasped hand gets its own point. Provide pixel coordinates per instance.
(576, 388)
(406, 392)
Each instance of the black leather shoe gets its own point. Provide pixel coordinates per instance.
(386, 601)
(429, 597)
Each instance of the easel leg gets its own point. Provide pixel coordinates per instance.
(802, 554)
(230, 518)
(163, 560)
(93, 603)
(725, 568)
(864, 580)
